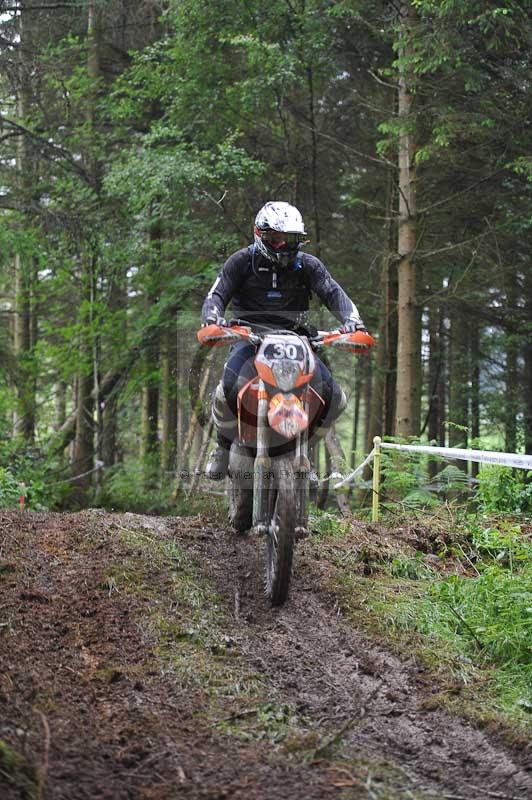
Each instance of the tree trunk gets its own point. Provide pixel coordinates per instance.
(527, 404)
(25, 387)
(384, 369)
(150, 421)
(109, 430)
(356, 418)
(527, 382)
(368, 397)
(60, 391)
(458, 422)
(314, 162)
(150, 393)
(180, 389)
(390, 390)
(511, 404)
(474, 352)
(511, 377)
(336, 453)
(408, 344)
(181, 473)
(202, 457)
(83, 450)
(434, 381)
(168, 404)
(109, 400)
(25, 329)
(379, 415)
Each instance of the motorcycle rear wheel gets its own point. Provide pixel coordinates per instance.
(281, 535)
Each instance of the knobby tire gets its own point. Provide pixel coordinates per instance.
(280, 542)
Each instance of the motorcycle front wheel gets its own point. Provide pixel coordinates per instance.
(281, 534)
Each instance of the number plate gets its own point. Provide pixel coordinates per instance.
(279, 350)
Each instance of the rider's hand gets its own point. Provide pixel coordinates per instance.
(214, 319)
(352, 326)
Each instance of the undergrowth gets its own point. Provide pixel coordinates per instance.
(460, 583)
(25, 471)
(140, 488)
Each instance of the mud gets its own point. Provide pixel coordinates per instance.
(90, 704)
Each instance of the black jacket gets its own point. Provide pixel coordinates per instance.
(279, 298)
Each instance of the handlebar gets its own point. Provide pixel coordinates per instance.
(217, 335)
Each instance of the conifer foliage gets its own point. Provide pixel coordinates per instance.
(137, 141)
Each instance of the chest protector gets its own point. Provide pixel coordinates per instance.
(270, 297)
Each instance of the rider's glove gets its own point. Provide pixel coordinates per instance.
(214, 319)
(352, 326)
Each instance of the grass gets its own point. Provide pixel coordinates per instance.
(189, 623)
(186, 622)
(464, 610)
(18, 772)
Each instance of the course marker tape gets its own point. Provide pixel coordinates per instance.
(462, 454)
(515, 460)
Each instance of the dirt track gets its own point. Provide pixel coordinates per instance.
(98, 703)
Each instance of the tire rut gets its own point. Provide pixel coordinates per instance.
(79, 659)
(338, 678)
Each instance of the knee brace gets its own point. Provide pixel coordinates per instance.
(222, 416)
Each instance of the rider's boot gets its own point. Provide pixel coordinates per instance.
(225, 425)
(218, 462)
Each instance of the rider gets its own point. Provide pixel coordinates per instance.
(270, 285)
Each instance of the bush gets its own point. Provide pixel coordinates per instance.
(502, 489)
(134, 487)
(9, 488)
(28, 468)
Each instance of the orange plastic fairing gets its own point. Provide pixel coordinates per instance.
(247, 407)
(217, 335)
(265, 373)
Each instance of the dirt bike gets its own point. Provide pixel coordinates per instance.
(269, 462)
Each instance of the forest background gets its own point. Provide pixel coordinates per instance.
(137, 141)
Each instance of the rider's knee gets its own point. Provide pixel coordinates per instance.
(222, 415)
(338, 401)
(337, 404)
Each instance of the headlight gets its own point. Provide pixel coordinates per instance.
(286, 372)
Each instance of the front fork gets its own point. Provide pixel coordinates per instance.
(263, 475)
(264, 484)
(301, 472)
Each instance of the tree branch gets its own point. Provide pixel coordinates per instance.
(47, 148)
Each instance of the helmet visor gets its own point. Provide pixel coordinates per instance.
(280, 239)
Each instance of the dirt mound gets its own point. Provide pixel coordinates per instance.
(140, 660)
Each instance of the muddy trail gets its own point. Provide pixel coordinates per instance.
(140, 660)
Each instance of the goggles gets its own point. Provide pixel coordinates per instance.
(278, 239)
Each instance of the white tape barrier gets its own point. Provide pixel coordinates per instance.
(356, 472)
(461, 454)
(458, 453)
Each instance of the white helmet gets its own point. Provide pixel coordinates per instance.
(279, 232)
